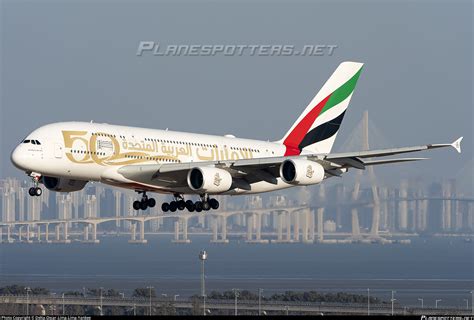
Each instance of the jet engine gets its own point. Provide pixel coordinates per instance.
(301, 172)
(62, 184)
(209, 179)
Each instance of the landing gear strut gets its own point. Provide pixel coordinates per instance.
(179, 204)
(144, 203)
(35, 191)
(208, 203)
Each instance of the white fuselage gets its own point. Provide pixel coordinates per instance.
(95, 151)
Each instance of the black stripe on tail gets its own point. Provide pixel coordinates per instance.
(322, 132)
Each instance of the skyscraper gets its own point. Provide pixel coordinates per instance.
(90, 206)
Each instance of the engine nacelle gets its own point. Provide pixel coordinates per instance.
(301, 172)
(209, 179)
(62, 184)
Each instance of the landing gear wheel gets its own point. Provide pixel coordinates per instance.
(173, 206)
(181, 204)
(143, 205)
(32, 191)
(190, 206)
(136, 205)
(165, 206)
(38, 191)
(206, 206)
(151, 202)
(214, 204)
(198, 206)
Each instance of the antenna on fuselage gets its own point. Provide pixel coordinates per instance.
(92, 121)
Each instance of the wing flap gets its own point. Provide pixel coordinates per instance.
(353, 162)
(386, 161)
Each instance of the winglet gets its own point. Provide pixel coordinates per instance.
(457, 144)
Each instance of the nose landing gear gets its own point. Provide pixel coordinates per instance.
(144, 203)
(35, 191)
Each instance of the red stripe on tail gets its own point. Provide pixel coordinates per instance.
(297, 134)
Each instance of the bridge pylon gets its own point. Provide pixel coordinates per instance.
(375, 225)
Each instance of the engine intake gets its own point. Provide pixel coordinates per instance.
(63, 185)
(209, 179)
(301, 172)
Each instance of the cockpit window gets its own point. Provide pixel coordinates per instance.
(32, 142)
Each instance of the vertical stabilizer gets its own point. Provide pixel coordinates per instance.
(317, 127)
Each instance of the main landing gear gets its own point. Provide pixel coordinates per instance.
(144, 203)
(35, 191)
(179, 204)
(205, 204)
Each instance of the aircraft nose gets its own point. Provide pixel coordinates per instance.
(17, 158)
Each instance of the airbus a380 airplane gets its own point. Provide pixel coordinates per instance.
(64, 156)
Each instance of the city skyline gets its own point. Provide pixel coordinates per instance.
(423, 215)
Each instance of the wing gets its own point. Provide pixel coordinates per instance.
(173, 176)
(356, 159)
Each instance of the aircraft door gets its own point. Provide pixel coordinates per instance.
(58, 151)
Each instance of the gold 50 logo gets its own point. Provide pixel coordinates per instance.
(100, 148)
(105, 149)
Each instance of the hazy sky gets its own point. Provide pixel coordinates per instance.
(75, 60)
